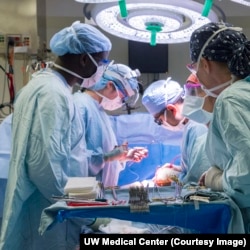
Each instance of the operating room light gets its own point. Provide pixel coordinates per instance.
(171, 21)
(96, 1)
(243, 2)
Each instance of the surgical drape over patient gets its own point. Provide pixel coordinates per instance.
(79, 38)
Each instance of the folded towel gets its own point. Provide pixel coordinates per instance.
(82, 187)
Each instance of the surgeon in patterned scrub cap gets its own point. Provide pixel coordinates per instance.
(220, 55)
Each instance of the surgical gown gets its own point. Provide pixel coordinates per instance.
(100, 139)
(194, 158)
(5, 145)
(48, 147)
(228, 140)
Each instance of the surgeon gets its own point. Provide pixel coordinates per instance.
(220, 55)
(118, 86)
(48, 143)
(164, 100)
(197, 107)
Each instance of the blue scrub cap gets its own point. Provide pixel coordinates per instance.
(79, 38)
(161, 93)
(124, 78)
(222, 42)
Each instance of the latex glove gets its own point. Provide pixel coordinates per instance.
(136, 154)
(122, 153)
(212, 178)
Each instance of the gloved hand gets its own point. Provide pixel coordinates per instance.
(212, 178)
(122, 153)
(136, 154)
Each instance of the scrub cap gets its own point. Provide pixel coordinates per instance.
(161, 93)
(124, 78)
(79, 38)
(222, 42)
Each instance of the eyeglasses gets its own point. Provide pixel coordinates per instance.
(192, 67)
(157, 119)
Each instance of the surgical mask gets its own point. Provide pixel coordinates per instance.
(209, 92)
(100, 69)
(111, 104)
(192, 109)
(131, 94)
(90, 81)
(168, 126)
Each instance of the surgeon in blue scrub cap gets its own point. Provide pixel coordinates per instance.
(82, 52)
(164, 101)
(118, 85)
(48, 143)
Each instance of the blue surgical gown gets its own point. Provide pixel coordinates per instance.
(100, 139)
(48, 147)
(228, 140)
(194, 159)
(5, 145)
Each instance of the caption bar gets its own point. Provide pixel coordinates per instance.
(170, 240)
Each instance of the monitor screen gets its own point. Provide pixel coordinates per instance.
(147, 58)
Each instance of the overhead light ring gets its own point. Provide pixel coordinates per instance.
(96, 1)
(187, 13)
(138, 18)
(243, 2)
